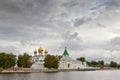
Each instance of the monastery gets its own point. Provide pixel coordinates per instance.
(65, 62)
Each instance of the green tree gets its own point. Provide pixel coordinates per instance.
(51, 61)
(93, 63)
(24, 61)
(113, 64)
(2, 60)
(59, 56)
(20, 61)
(7, 60)
(101, 64)
(82, 59)
(10, 60)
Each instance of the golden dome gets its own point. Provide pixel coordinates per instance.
(40, 50)
(46, 52)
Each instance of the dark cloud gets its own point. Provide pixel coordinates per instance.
(25, 19)
(22, 5)
(31, 22)
(9, 5)
(71, 4)
(79, 22)
(19, 33)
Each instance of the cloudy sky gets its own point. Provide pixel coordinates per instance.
(89, 28)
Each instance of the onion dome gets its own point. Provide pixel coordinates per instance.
(40, 50)
(46, 52)
(35, 52)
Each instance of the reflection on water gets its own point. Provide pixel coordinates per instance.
(75, 75)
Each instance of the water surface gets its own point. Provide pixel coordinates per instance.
(74, 75)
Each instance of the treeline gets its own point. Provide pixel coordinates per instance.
(102, 64)
(9, 60)
(114, 64)
(99, 63)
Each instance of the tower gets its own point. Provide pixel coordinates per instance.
(65, 52)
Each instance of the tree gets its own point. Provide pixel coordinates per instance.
(24, 61)
(113, 64)
(7, 60)
(59, 57)
(93, 64)
(89, 63)
(51, 61)
(2, 60)
(10, 60)
(20, 61)
(82, 59)
(101, 64)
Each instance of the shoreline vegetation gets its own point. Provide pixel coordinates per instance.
(30, 70)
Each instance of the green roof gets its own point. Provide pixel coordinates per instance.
(65, 52)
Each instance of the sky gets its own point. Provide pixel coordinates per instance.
(88, 28)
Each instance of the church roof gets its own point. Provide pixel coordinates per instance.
(65, 52)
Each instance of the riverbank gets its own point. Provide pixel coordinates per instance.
(29, 70)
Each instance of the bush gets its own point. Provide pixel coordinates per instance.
(1, 69)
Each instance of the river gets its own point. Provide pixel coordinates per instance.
(74, 75)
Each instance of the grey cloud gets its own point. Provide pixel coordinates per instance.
(111, 45)
(21, 33)
(30, 22)
(30, 43)
(101, 25)
(79, 22)
(114, 3)
(99, 3)
(72, 41)
(72, 45)
(105, 4)
(7, 5)
(70, 36)
(10, 49)
(21, 5)
(71, 4)
(115, 41)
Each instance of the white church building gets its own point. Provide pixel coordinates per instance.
(65, 62)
